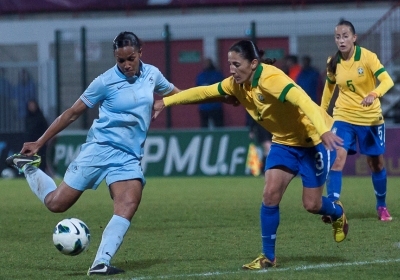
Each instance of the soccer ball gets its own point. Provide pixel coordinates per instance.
(8, 173)
(71, 236)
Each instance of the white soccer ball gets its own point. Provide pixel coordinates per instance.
(71, 236)
(8, 173)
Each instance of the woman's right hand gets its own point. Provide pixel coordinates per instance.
(331, 141)
(30, 148)
(158, 106)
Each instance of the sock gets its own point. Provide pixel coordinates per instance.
(379, 180)
(269, 217)
(39, 182)
(334, 185)
(329, 208)
(111, 240)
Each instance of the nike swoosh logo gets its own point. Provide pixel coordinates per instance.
(77, 230)
(107, 253)
(120, 87)
(104, 269)
(22, 160)
(319, 174)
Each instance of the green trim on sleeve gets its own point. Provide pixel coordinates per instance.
(220, 90)
(329, 81)
(285, 91)
(380, 71)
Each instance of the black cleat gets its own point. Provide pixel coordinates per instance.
(103, 269)
(19, 160)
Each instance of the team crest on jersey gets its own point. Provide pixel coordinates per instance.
(360, 71)
(260, 97)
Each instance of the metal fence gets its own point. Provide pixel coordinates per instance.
(80, 55)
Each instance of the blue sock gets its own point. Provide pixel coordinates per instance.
(379, 180)
(112, 238)
(329, 208)
(334, 185)
(269, 217)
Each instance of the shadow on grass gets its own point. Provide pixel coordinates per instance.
(142, 264)
(127, 266)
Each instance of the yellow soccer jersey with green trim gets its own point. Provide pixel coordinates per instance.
(356, 78)
(274, 101)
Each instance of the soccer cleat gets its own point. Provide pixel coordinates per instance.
(19, 160)
(383, 214)
(261, 262)
(340, 226)
(104, 269)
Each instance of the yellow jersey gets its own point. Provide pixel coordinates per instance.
(356, 79)
(275, 101)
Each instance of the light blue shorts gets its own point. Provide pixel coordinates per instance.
(370, 139)
(313, 164)
(97, 162)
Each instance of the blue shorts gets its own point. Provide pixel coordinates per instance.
(313, 164)
(97, 162)
(371, 139)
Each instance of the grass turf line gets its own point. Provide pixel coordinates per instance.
(206, 228)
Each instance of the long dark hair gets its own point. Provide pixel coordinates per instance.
(248, 50)
(332, 64)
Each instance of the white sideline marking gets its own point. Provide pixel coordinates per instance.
(297, 268)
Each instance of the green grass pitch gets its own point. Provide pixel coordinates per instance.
(204, 228)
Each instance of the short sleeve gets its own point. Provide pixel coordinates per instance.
(162, 86)
(94, 93)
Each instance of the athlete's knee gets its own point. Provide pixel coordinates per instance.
(340, 160)
(376, 164)
(312, 206)
(271, 198)
(55, 206)
(339, 163)
(126, 208)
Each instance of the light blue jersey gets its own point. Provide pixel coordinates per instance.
(125, 107)
(114, 145)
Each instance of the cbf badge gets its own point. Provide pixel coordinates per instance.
(260, 97)
(360, 71)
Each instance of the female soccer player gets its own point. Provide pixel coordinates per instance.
(113, 148)
(357, 112)
(298, 126)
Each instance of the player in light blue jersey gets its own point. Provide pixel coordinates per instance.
(113, 148)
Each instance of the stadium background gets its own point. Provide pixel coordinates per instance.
(65, 44)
